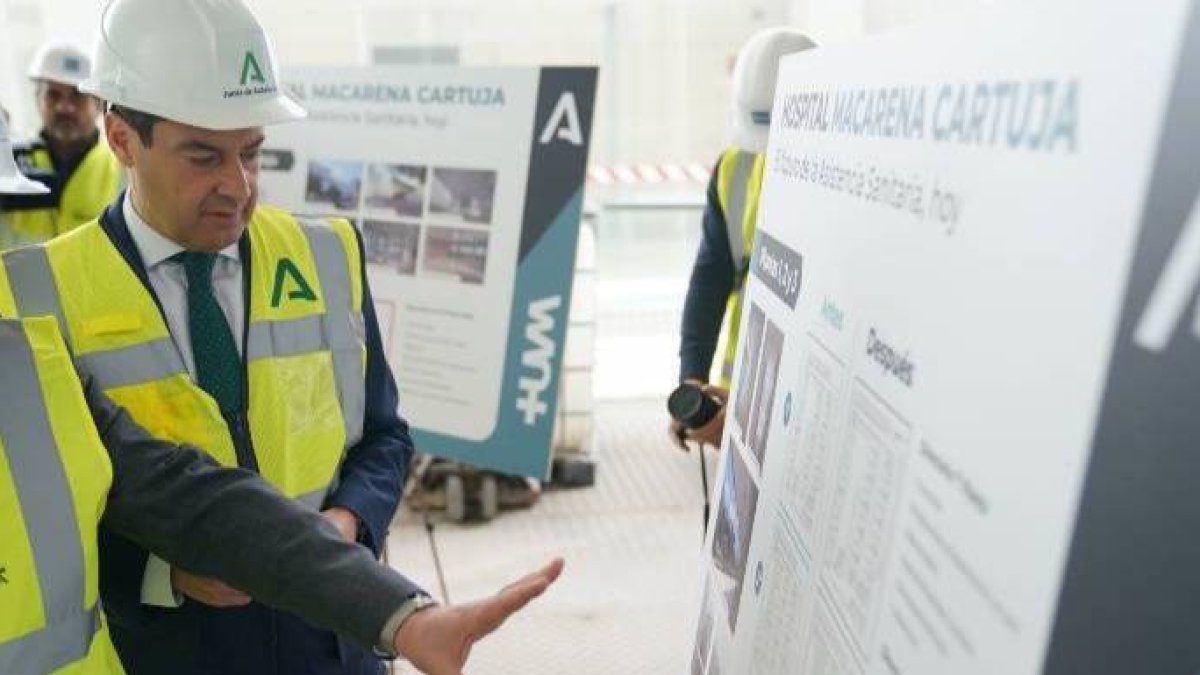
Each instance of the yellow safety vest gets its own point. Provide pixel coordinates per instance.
(305, 349)
(93, 186)
(739, 183)
(54, 480)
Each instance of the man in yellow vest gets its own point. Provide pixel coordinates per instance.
(730, 218)
(81, 171)
(69, 456)
(222, 323)
(57, 480)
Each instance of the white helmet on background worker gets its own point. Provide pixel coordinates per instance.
(754, 77)
(12, 181)
(61, 62)
(204, 63)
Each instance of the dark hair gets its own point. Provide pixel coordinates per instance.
(142, 123)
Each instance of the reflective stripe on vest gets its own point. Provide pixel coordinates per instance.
(47, 506)
(341, 322)
(739, 186)
(136, 362)
(733, 207)
(33, 287)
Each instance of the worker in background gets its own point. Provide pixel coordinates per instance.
(221, 323)
(730, 219)
(68, 457)
(68, 154)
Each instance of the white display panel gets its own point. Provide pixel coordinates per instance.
(949, 219)
(466, 184)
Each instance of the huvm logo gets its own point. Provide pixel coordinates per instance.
(536, 359)
(1174, 291)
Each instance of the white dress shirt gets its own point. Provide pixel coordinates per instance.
(169, 281)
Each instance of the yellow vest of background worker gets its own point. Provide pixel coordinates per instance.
(304, 347)
(739, 183)
(93, 185)
(54, 480)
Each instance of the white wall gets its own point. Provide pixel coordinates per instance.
(836, 20)
(665, 64)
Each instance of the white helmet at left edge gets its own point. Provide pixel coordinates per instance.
(204, 63)
(12, 181)
(60, 62)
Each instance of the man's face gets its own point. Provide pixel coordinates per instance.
(194, 186)
(68, 115)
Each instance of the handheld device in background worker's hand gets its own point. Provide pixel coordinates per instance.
(697, 412)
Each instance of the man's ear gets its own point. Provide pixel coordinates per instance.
(96, 105)
(121, 138)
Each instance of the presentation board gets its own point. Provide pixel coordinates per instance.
(466, 184)
(963, 429)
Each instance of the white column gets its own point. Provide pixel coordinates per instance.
(8, 71)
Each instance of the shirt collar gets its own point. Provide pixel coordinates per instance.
(153, 246)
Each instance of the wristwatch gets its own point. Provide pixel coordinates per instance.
(416, 602)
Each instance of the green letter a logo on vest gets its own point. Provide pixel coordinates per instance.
(251, 72)
(300, 290)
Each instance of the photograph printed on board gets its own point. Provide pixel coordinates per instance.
(395, 190)
(764, 388)
(455, 252)
(392, 245)
(335, 183)
(731, 536)
(750, 341)
(462, 195)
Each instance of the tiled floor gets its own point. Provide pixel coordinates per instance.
(627, 601)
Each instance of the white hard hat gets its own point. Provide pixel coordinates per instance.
(12, 181)
(754, 77)
(61, 62)
(205, 63)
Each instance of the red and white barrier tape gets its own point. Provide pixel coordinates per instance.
(648, 174)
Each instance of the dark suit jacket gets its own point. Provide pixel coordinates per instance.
(255, 640)
(231, 524)
(708, 292)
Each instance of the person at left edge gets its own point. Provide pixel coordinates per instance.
(222, 323)
(68, 153)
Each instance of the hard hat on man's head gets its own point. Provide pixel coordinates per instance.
(60, 62)
(754, 77)
(12, 181)
(205, 63)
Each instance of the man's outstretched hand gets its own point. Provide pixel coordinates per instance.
(438, 640)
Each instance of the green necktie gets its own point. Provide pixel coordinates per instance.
(218, 366)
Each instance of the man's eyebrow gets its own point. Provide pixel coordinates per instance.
(197, 146)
